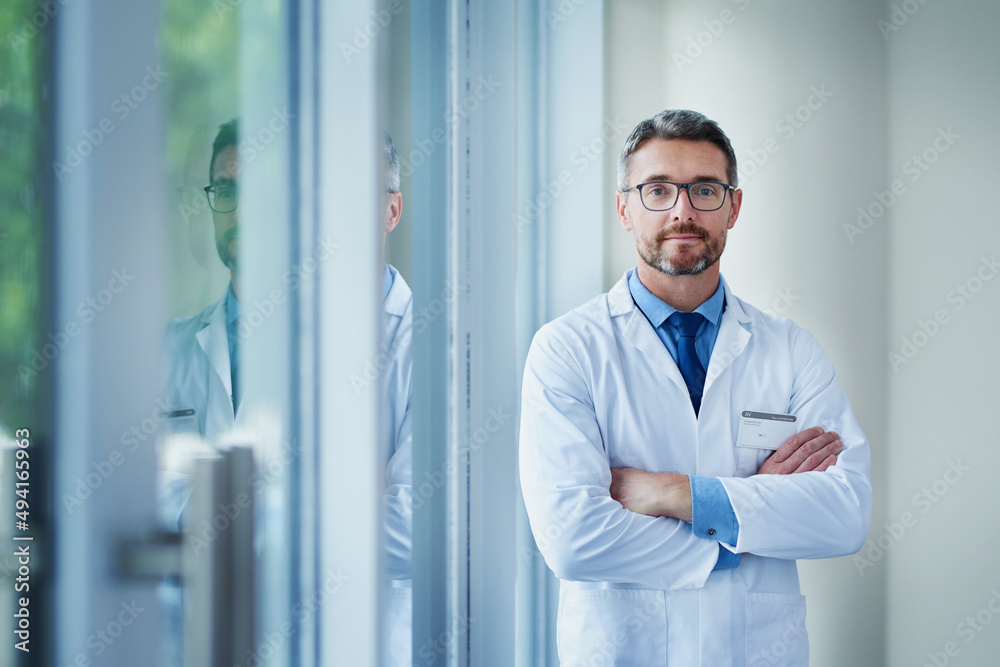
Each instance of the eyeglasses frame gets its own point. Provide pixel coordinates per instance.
(681, 186)
(209, 189)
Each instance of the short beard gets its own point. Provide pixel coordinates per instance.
(656, 257)
(222, 246)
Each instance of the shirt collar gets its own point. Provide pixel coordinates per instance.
(232, 305)
(657, 311)
(387, 281)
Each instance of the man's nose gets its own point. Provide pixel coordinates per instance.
(682, 210)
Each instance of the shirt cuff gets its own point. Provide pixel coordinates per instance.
(712, 515)
(713, 518)
(727, 559)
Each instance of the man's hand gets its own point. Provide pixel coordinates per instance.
(805, 451)
(669, 494)
(652, 493)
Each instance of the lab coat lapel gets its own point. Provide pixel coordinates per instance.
(639, 332)
(214, 342)
(733, 337)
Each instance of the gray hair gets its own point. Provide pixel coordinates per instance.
(676, 124)
(390, 162)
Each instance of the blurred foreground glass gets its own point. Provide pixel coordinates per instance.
(25, 353)
(199, 47)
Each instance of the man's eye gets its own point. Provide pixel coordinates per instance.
(227, 192)
(657, 190)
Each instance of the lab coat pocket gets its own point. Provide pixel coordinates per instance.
(613, 626)
(776, 630)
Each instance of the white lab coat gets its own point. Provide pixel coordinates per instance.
(197, 374)
(601, 391)
(394, 368)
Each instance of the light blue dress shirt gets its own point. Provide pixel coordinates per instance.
(711, 511)
(232, 325)
(387, 282)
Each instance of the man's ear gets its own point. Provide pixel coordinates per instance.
(734, 211)
(393, 211)
(622, 210)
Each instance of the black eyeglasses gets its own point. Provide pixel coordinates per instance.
(223, 196)
(662, 195)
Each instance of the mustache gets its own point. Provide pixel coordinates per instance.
(683, 228)
(231, 235)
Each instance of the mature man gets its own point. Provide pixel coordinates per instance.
(649, 425)
(201, 366)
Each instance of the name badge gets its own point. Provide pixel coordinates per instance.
(764, 430)
(182, 421)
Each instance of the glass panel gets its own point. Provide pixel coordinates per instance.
(396, 344)
(26, 353)
(199, 48)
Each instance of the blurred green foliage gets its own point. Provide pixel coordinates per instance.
(21, 212)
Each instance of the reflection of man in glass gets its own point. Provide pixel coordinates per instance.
(200, 390)
(202, 364)
(398, 434)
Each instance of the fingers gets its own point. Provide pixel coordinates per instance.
(807, 450)
(821, 455)
(810, 451)
(791, 445)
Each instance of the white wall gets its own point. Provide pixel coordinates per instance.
(788, 251)
(942, 73)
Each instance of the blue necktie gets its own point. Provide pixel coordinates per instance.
(687, 325)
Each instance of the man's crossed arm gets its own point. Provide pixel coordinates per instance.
(669, 494)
